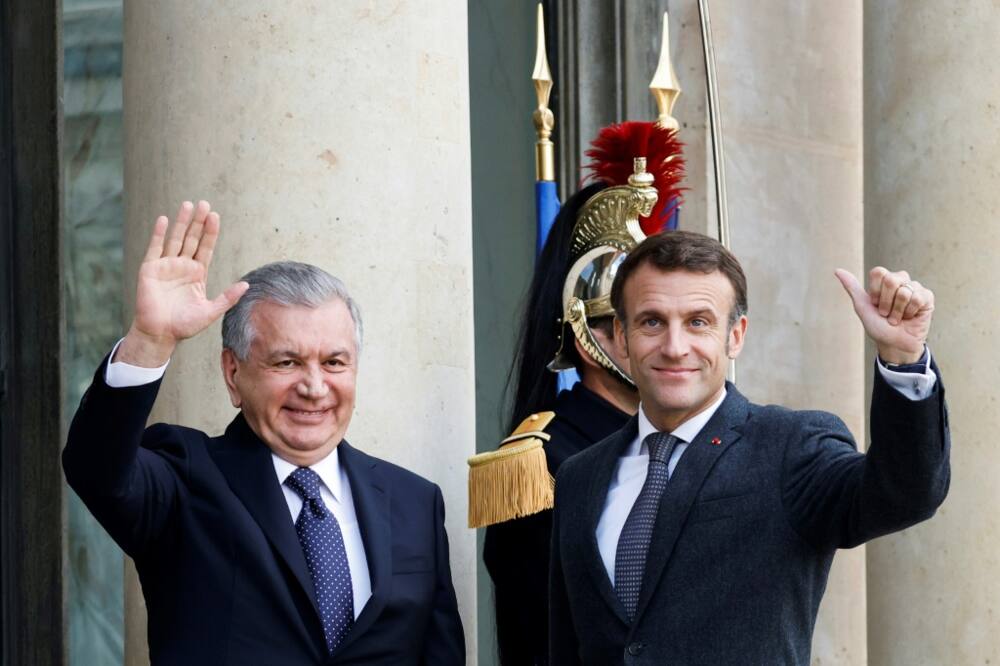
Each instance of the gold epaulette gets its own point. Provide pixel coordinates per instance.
(514, 480)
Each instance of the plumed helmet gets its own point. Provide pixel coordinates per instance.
(643, 166)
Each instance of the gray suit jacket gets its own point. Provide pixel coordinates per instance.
(746, 531)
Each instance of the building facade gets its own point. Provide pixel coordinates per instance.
(392, 144)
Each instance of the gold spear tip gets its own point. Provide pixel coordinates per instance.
(542, 75)
(665, 86)
(543, 119)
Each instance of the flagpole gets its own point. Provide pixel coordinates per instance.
(715, 125)
(715, 128)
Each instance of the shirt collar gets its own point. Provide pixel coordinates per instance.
(328, 470)
(686, 431)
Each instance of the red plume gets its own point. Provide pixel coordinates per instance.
(612, 153)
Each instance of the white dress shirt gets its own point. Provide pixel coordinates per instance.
(630, 470)
(335, 489)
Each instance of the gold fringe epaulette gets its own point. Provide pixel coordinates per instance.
(514, 480)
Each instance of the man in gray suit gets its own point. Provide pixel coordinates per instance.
(704, 530)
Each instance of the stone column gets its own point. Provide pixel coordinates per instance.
(334, 133)
(790, 88)
(932, 150)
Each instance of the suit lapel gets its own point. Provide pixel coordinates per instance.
(596, 495)
(685, 483)
(246, 463)
(371, 504)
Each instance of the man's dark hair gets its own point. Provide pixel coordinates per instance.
(682, 251)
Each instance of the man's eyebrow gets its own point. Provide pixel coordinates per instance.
(695, 312)
(647, 312)
(288, 353)
(702, 312)
(282, 353)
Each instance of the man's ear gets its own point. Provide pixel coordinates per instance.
(585, 358)
(620, 338)
(230, 366)
(737, 334)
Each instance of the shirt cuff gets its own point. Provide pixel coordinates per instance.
(914, 382)
(123, 375)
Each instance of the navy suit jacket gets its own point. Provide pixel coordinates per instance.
(745, 533)
(222, 571)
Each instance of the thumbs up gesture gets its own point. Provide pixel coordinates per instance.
(895, 311)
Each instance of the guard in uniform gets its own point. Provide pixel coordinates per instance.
(567, 323)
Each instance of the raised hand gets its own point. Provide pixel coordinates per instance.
(895, 311)
(171, 302)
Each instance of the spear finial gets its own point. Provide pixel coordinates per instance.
(545, 121)
(665, 86)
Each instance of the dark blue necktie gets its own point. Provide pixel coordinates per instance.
(323, 545)
(633, 543)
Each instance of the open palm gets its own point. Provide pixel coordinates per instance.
(171, 300)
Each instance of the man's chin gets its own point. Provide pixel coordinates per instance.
(307, 445)
(305, 452)
(674, 402)
(309, 439)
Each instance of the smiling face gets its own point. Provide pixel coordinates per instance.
(679, 340)
(296, 387)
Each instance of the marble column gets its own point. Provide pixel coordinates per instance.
(932, 107)
(334, 133)
(790, 90)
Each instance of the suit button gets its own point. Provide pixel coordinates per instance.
(635, 649)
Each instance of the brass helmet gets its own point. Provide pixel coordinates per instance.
(611, 223)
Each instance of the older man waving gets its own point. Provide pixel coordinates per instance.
(277, 542)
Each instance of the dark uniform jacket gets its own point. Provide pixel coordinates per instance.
(516, 553)
(746, 531)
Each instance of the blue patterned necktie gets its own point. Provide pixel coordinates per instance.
(323, 545)
(633, 543)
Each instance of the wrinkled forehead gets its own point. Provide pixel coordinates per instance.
(651, 286)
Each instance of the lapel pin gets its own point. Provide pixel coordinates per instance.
(716, 441)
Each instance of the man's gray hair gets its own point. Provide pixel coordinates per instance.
(285, 283)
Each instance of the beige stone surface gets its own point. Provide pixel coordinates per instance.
(691, 112)
(790, 88)
(334, 133)
(932, 156)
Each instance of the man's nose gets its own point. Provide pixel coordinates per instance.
(312, 383)
(674, 342)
